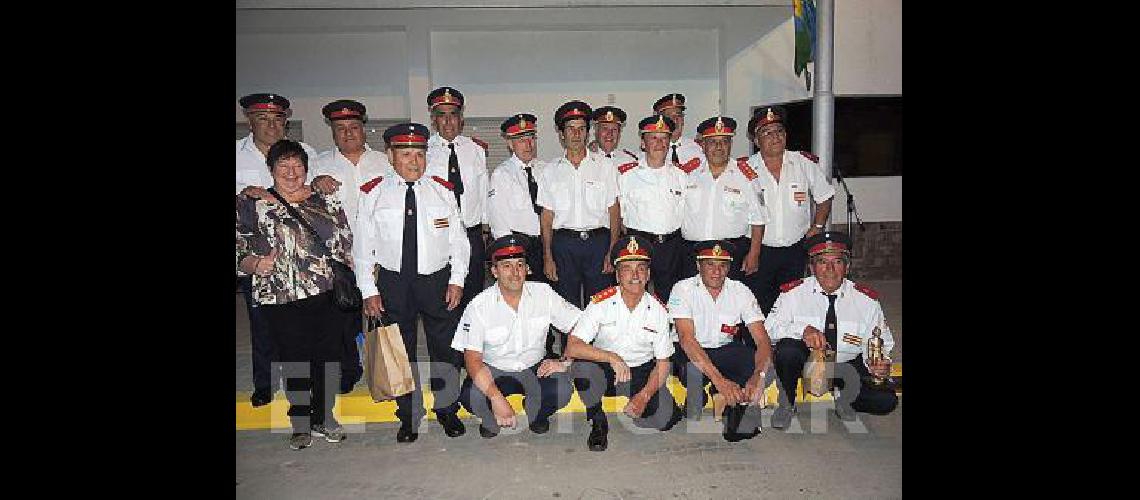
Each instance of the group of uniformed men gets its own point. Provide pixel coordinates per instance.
(723, 242)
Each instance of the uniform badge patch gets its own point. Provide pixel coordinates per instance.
(440, 223)
(854, 340)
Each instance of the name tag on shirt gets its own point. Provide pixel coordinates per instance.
(732, 190)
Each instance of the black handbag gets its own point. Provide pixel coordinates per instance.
(345, 294)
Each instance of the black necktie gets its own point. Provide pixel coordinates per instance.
(609, 155)
(409, 264)
(676, 159)
(453, 174)
(830, 328)
(532, 186)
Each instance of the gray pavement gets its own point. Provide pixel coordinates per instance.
(818, 456)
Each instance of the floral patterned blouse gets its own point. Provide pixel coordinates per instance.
(302, 268)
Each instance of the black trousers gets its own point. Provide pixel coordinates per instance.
(668, 258)
(579, 264)
(738, 251)
(736, 361)
(308, 335)
(261, 342)
(778, 265)
(790, 356)
(406, 298)
(543, 396)
(350, 368)
(476, 267)
(594, 380)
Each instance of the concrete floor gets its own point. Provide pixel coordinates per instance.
(818, 456)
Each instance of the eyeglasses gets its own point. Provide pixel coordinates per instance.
(775, 130)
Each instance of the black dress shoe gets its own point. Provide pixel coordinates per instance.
(406, 434)
(260, 397)
(540, 426)
(452, 426)
(487, 433)
(598, 436)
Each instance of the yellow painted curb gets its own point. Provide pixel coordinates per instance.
(357, 407)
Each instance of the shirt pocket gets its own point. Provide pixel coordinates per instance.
(594, 193)
(732, 201)
(850, 330)
(798, 196)
(438, 218)
(562, 195)
(536, 331)
(519, 199)
(495, 338)
(389, 222)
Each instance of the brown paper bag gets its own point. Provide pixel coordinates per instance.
(386, 366)
(816, 375)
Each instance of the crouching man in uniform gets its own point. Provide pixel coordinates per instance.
(707, 310)
(828, 311)
(629, 329)
(502, 336)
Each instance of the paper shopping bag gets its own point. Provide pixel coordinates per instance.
(386, 365)
(816, 375)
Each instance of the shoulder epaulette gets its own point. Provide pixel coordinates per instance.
(628, 152)
(868, 291)
(480, 143)
(654, 294)
(626, 167)
(367, 186)
(443, 182)
(808, 155)
(745, 168)
(787, 287)
(603, 295)
(690, 165)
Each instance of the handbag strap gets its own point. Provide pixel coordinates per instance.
(305, 223)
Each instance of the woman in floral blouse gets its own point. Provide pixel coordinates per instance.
(292, 283)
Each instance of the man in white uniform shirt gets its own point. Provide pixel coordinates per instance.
(791, 183)
(828, 311)
(267, 115)
(411, 234)
(720, 202)
(580, 219)
(512, 204)
(502, 335)
(608, 122)
(341, 171)
(462, 162)
(621, 346)
(707, 311)
(650, 195)
(681, 149)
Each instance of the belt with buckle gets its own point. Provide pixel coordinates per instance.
(584, 235)
(659, 238)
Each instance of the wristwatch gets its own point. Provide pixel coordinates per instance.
(818, 226)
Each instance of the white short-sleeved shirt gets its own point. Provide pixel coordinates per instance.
(508, 203)
(252, 169)
(856, 309)
(722, 208)
(788, 203)
(472, 170)
(440, 237)
(651, 198)
(638, 336)
(687, 149)
(332, 163)
(714, 320)
(579, 197)
(513, 340)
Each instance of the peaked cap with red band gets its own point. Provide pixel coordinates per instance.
(511, 246)
(717, 125)
(572, 110)
(764, 116)
(669, 101)
(828, 242)
(714, 250)
(609, 114)
(344, 109)
(444, 95)
(630, 248)
(656, 124)
(407, 135)
(518, 125)
(265, 102)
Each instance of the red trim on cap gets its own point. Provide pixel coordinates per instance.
(711, 131)
(343, 113)
(446, 98)
(709, 253)
(408, 139)
(659, 126)
(516, 129)
(508, 251)
(268, 106)
(573, 112)
(825, 246)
